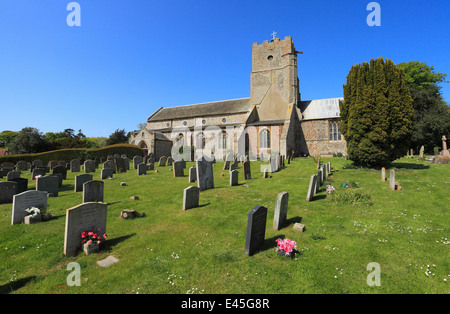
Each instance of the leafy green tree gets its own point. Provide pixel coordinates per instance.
(28, 140)
(117, 137)
(6, 137)
(377, 113)
(432, 115)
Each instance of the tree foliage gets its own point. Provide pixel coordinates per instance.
(432, 114)
(117, 137)
(377, 113)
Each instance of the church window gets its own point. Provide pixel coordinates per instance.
(168, 125)
(334, 133)
(270, 58)
(224, 140)
(184, 123)
(224, 120)
(264, 139)
(201, 141)
(203, 121)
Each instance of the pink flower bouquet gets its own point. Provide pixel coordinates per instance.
(286, 246)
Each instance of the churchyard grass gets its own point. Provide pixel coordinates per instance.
(201, 250)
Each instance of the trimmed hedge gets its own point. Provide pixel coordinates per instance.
(77, 153)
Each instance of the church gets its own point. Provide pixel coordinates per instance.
(274, 119)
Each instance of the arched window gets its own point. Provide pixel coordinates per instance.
(224, 139)
(264, 139)
(334, 133)
(201, 141)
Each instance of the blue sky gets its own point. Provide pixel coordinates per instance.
(128, 58)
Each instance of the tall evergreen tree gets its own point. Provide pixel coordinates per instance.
(376, 113)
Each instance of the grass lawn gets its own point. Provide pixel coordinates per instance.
(202, 250)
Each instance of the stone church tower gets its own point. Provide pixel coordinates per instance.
(273, 119)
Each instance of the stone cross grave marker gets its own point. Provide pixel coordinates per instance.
(281, 207)
(83, 217)
(256, 230)
(26, 200)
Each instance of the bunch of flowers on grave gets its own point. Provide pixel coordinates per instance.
(330, 189)
(286, 247)
(93, 237)
(33, 212)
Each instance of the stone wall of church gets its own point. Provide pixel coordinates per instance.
(315, 134)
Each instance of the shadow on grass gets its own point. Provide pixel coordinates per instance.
(14, 285)
(292, 221)
(400, 165)
(110, 243)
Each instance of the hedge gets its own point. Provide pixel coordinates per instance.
(76, 153)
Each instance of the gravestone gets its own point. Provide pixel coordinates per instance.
(392, 180)
(151, 166)
(311, 188)
(256, 230)
(247, 170)
(226, 165)
(281, 207)
(12, 175)
(205, 176)
(192, 174)
(319, 178)
(60, 170)
(22, 184)
(109, 164)
(22, 165)
(162, 161)
(120, 165)
(266, 173)
(136, 161)
(26, 200)
(89, 166)
(106, 173)
(49, 184)
(422, 148)
(234, 178)
(37, 163)
(178, 170)
(83, 217)
(75, 165)
(273, 164)
(191, 196)
(52, 163)
(7, 191)
(141, 169)
(169, 161)
(383, 174)
(93, 191)
(80, 180)
(127, 163)
(37, 172)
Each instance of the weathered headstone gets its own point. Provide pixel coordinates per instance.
(191, 196)
(266, 173)
(37, 172)
(93, 191)
(75, 165)
(383, 174)
(162, 161)
(22, 165)
(109, 164)
(256, 230)
(106, 173)
(80, 180)
(141, 169)
(12, 175)
(192, 174)
(120, 165)
(83, 217)
(281, 207)
(52, 163)
(205, 177)
(150, 166)
(178, 170)
(234, 178)
(22, 184)
(247, 170)
(169, 161)
(7, 191)
(311, 188)
(60, 170)
(319, 178)
(392, 180)
(89, 166)
(136, 161)
(422, 149)
(49, 184)
(26, 200)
